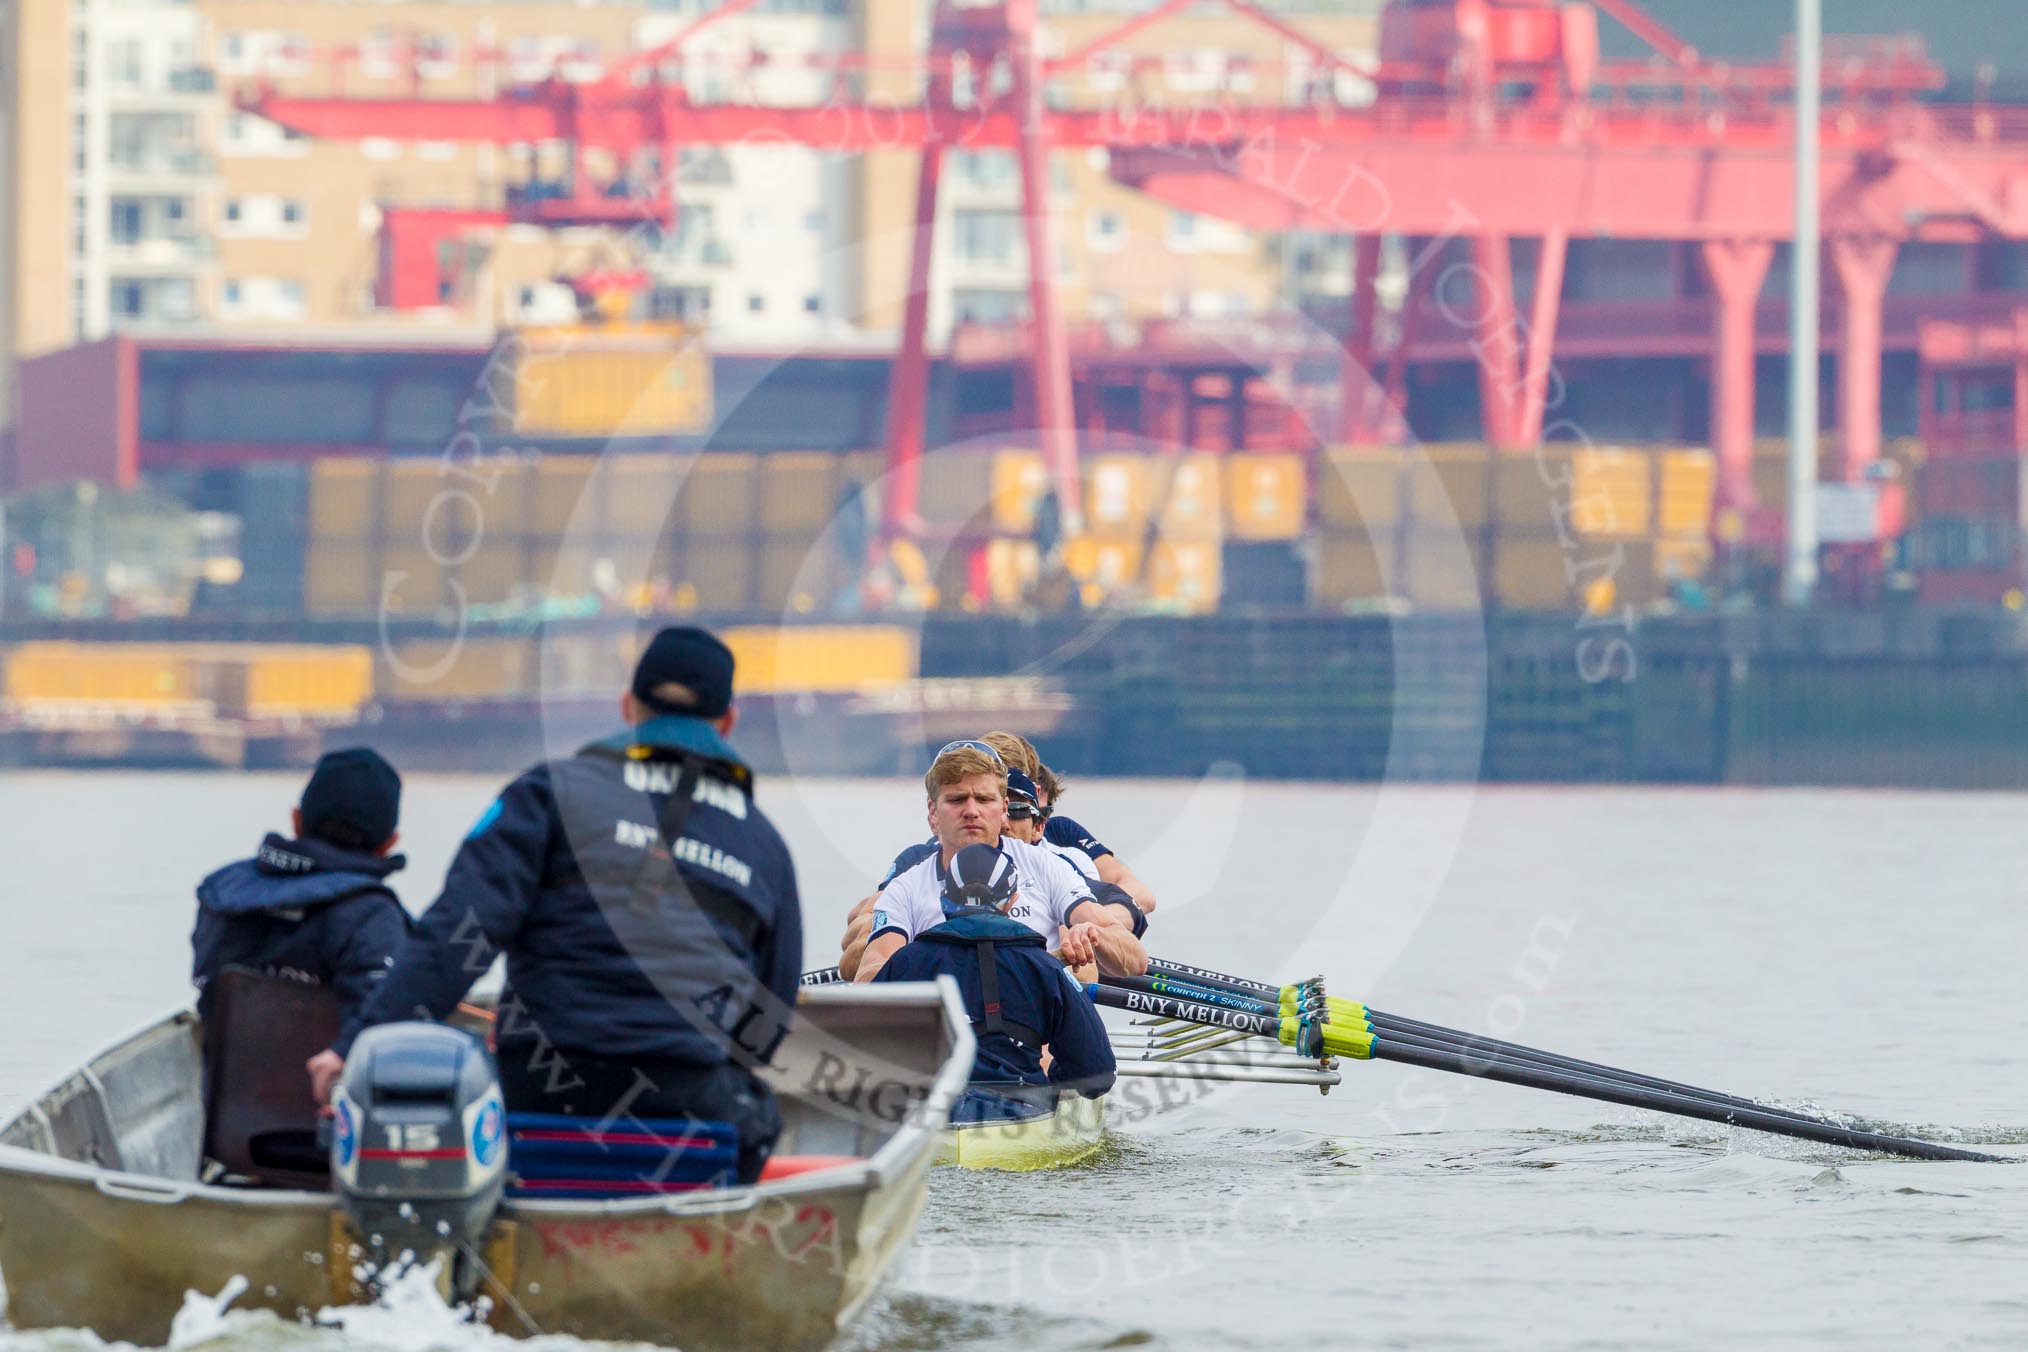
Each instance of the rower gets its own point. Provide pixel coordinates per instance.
(1083, 848)
(968, 805)
(1019, 999)
(1025, 818)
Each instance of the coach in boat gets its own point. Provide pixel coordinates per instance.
(1020, 999)
(648, 913)
(967, 787)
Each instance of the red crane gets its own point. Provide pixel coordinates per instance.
(1493, 120)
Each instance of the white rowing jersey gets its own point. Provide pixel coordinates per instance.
(1047, 890)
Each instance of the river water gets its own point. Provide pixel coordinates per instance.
(1862, 951)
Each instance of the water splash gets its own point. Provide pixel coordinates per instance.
(202, 1318)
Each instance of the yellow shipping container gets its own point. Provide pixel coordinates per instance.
(822, 659)
(1689, 482)
(111, 673)
(1109, 561)
(618, 381)
(1360, 486)
(1018, 483)
(1531, 488)
(1116, 494)
(1266, 496)
(341, 577)
(717, 495)
(1449, 483)
(1611, 492)
(458, 669)
(409, 493)
(309, 682)
(1351, 566)
(798, 491)
(1185, 497)
(559, 484)
(1012, 568)
(344, 499)
(1187, 574)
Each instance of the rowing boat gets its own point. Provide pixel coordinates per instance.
(105, 1224)
(1071, 1132)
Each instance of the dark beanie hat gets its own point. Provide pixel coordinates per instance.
(353, 799)
(693, 659)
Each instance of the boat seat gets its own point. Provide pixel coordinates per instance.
(260, 1121)
(552, 1156)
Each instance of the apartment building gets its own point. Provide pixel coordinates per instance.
(142, 198)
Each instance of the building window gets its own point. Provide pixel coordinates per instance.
(129, 300)
(234, 210)
(973, 305)
(813, 305)
(987, 236)
(230, 296)
(293, 213)
(1105, 232)
(756, 303)
(126, 221)
(291, 297)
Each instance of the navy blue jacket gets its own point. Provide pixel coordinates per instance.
(606, 956)
(301, 908)
(1035, 992)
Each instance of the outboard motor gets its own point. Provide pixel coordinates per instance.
(419, 1142)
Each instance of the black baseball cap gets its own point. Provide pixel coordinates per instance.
(353, 799)
(693, 659)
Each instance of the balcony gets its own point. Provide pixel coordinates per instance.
(160, 253)
(163, 164)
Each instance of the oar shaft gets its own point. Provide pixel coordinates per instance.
(1449, 1059)
(1201, 976)
(1170, 1007)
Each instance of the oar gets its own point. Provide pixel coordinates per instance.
(1311, 1038)
(1309, 994)
(1412, 1032)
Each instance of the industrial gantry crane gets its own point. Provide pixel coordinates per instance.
(1487, 120)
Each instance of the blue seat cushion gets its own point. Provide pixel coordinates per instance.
(549, 1155)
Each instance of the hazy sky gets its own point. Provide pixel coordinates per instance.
(1960, 33)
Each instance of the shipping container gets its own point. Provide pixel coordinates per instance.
(797, 576)
(822, 659)
(1187, 575)
(139, 674)
(1686, 491)
(1184, 491)
(718, 494)
(1012, 569)
(1611, 492)
(457, 669)
(716, 573)
(1532, 572)
(612, 381)
(1110, 562)
(1019, 481)
(1116, 496)
(1351, 566)
(1441, 569)
(798, 492)
(1262, 573)
(1266, 496)
(303, 681)
(558, 492)
(344, 499)
(640, 492)
(1360, 486)
(341, 577)
(1449, 483)
(494, 572)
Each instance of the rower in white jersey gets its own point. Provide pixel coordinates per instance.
(967, 790)
(1026, 820)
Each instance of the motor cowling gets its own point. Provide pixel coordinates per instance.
(419, 1140)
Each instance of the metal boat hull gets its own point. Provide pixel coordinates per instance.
(784, 1264)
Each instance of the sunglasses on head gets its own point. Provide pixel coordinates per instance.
(1021, 812)
(968, 744)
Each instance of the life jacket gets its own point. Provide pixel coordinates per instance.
(987, 931)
